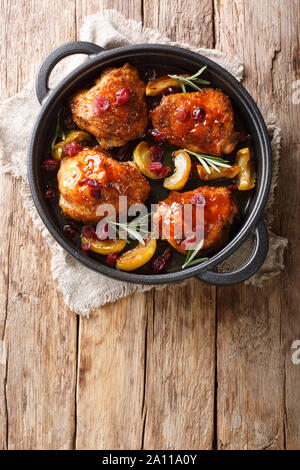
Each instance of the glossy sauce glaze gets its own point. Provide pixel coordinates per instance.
(91, 177)
(213, 209)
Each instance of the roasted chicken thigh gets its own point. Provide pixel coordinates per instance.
(115, 109)
(92, 178)
(218, 213)
(201, 121)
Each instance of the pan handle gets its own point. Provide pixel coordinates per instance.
(69, 48)
(251, 266)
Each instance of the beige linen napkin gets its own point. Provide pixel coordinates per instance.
(84, 289)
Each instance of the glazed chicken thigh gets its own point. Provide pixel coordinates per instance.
(115, 109)
(201, 121)
(219, 212)
(92, 178)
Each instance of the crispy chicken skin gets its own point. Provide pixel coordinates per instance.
(213, 135)
(118, 124)
(79, 200)
(219, 212)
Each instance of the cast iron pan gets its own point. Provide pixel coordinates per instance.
(179, 60)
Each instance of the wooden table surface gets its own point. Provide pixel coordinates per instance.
(202, 368)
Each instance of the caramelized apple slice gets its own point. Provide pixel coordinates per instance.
(104, 247)
(74, 136)
(158, 85)
(142, 158)
(180, 176)
(137, 257)
(246, 177)
(214, 174)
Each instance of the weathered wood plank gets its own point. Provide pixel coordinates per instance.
(286, 69)
(112, 346)
(179, 404)
(38, 353)
(250, 403)
(179, 401)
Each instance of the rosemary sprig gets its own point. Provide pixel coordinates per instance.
(136, 228)
(58, 132)
(189, 260)
(191, 80)
(210, 161)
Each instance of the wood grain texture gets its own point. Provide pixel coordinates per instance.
(38, 352)
(111, 375)
(180, 346)
(179, 399)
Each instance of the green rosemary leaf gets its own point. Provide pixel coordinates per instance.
(179, 81)
(215, 167)
(193, 85)
(203, 82)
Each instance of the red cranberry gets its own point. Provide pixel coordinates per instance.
(100, 105)
(86, 246)
(182, 113)
(95, 187)
(66, 119)
(159, 169)
(123, 96)
(69, 230)
(50, 165)
(158, 264)
(232, 187)
(50, 192)
(156, 153)
(88, 231)
(157, 136)
(125, 152)
(72, 148)
(199, 114)
(112, 258)
(198, 199)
